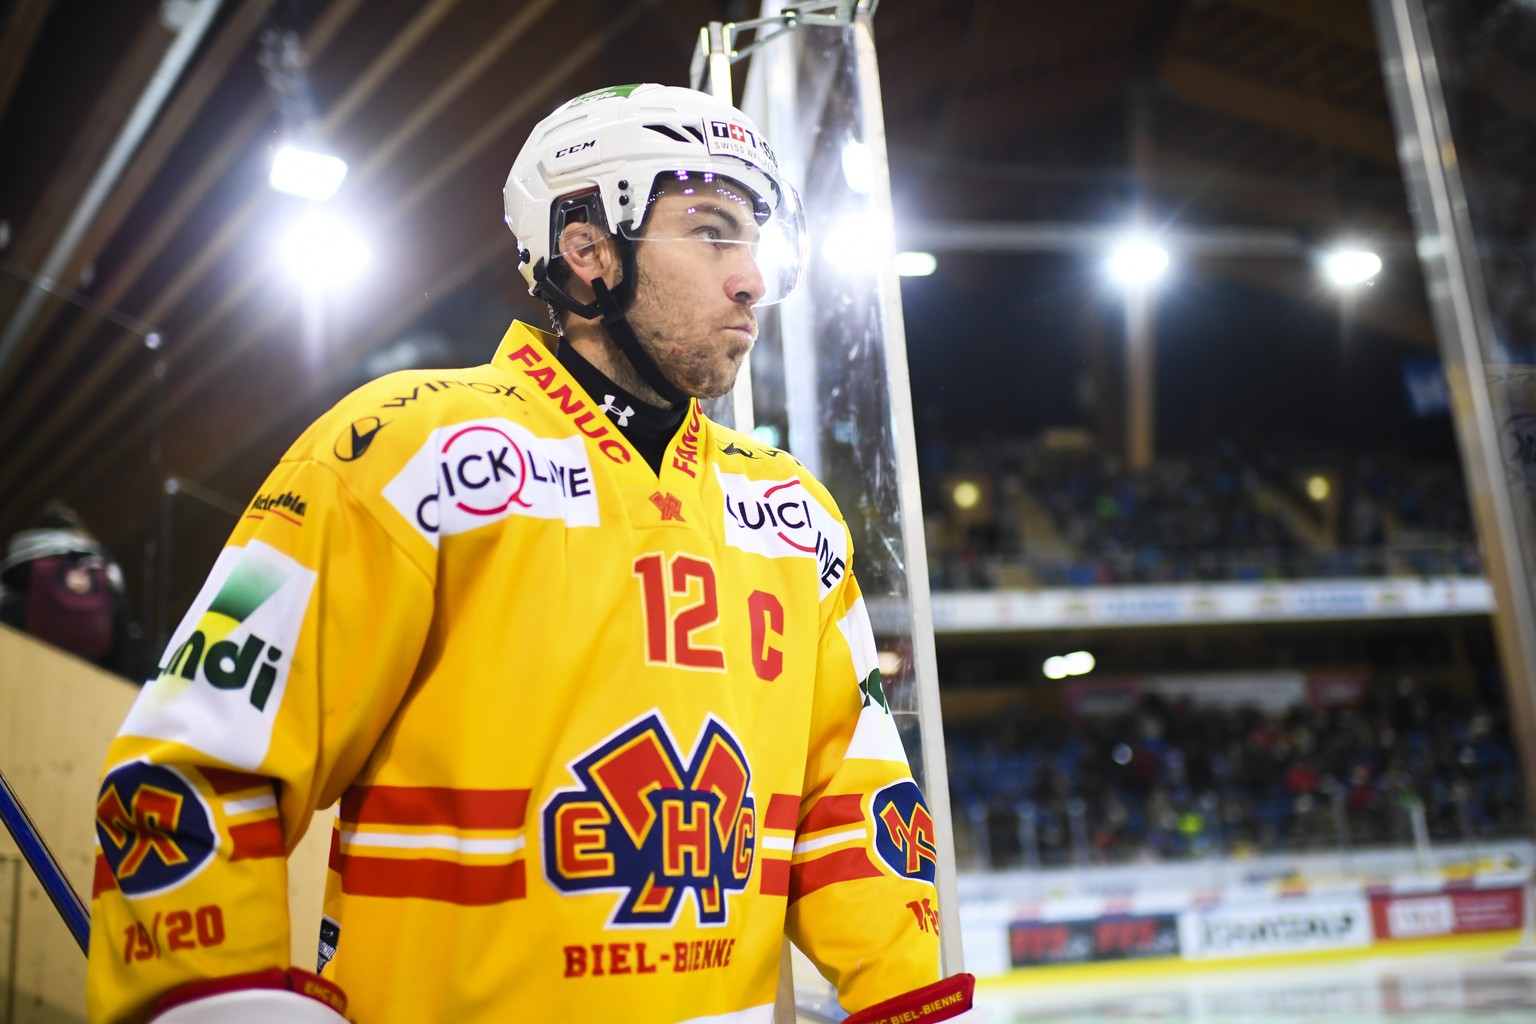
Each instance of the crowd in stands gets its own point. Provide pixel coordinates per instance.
(1080, 518)
(1166, 781)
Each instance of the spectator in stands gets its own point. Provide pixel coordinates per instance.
(58, 584)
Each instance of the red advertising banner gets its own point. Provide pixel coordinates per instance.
(1455, 912)
(1121, 937)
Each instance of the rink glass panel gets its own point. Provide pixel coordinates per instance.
(1459, 77)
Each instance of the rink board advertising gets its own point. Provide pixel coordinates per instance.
(1119, 937)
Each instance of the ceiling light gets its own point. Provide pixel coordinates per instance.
(307, 173)
(1137, 261)
(1349, 267)
(916, 264)
(323, 252)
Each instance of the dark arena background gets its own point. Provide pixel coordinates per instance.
(1219, 321)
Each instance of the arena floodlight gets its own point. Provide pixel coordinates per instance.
(916, 264)
(1137, 262)
(1078, 663)
(307, 173)
(858, 166)
(323, 252)
(857, 242)
(1349, 268)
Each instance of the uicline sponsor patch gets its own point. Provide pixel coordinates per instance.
(221, 680)
(481, 471)
(781, 519)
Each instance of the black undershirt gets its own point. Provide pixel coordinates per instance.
(648, 428)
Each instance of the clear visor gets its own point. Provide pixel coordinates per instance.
(733, 229)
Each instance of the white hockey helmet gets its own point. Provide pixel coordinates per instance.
(607, 153)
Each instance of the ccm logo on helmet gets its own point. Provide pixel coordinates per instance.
(577, 148)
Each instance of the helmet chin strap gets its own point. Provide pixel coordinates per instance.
(609, 304)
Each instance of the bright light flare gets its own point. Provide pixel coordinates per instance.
(1078, 663)
(323, 252)
(307, 173)
(1137, 261)
(1348, 268)
(967, 495)
(1317, 487)
(916, 264)
(857, 243)
(858, 166)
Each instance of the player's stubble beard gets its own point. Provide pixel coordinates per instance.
(685, 344)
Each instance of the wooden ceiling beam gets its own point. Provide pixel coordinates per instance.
(1348, 22)
(1308, 118)
(116, 348)
(32, 441)
(21, 29)
(73, 175)
(1314, 203)
(92, 442)
(168, 130)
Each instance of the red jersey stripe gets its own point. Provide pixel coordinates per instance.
(435, 805)
(833, 811)
(783, 811)
(839, 866)
(256, 839)
(466, 885)
(774, 880)
(225, 781)
(103, 880)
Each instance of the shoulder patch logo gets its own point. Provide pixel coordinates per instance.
(904, 832)
(645, 824)
(155, 830)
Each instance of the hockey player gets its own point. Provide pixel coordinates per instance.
(589, 675)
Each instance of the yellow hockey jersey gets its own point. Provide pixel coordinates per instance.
(599, 736)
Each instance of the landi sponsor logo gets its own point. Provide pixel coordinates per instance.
(226, 666)
(780, 519)
(470, 474)
(287, 506)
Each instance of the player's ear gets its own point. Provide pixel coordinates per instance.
(590, 252)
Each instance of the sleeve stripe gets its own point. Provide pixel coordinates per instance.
(805, 877)
(257, 839)
(834, 812)
(103, 880)
(224, 782)
(435, 805)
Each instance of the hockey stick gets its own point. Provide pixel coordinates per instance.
(45, 866)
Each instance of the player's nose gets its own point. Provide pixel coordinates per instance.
(745, 284)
